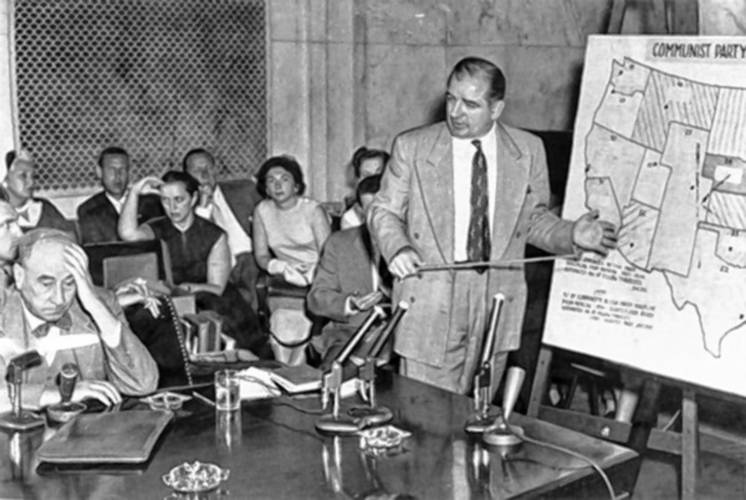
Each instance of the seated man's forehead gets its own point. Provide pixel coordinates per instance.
(48, 253)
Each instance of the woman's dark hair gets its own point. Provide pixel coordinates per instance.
(362, 153)
(190, 183)
(286, 162)
(369, 185)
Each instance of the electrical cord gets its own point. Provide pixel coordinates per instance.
(567, 451)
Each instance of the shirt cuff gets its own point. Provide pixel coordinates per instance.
(349, 309)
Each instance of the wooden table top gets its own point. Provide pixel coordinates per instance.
(273, 451)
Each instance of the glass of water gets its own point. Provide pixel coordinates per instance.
(227, 394)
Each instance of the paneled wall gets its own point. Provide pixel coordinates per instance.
(351, 72)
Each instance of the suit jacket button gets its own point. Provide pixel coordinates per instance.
(417, 236)
(411, 300)
(518, 234)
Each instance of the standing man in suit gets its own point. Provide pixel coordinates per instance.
(99, 214)
(230, 205)
(348, 281)
(470, 189)
(19, 186)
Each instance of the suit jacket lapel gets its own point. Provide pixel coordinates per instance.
(512, 178)
(435, 181)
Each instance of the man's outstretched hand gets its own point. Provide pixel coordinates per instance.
(595, 235)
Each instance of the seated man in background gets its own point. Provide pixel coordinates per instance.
(10, 232)
(98, 215)
(229, 205)
(19, 185)
(365, 162)
(54, 309)
(342, 290)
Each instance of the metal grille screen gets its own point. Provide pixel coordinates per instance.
(157, 77)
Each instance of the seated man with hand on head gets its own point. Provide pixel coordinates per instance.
(19, 185)
(98, 215)
(342, 290)
(54, 309)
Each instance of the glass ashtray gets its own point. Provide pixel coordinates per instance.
(166, 401)
(382, 438)
(196, 477)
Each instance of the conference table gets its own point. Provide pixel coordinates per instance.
(273, 451)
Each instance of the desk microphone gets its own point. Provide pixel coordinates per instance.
(332, 382)
(502, 434)
(67, 380)
(484, 416)
(17, 419)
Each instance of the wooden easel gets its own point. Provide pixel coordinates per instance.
(641, 434)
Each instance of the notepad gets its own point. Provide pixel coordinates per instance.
(125, 437)
(295, 379)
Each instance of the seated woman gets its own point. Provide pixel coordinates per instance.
(289, 231)
(199, 253)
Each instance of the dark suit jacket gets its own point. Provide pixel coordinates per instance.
(51, 217)
(344, 269)
(242, 197)
(98, 219)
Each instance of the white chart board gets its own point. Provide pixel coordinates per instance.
(659, 149)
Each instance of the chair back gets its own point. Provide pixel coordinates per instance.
(111, 263)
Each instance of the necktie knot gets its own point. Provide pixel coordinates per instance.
(477, 144)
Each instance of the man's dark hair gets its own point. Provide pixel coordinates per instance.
(288, 163)
(190, 183)
(362, 153)
(3, 194)
(112, 150)
(195, 152)
(369, 185)
(476, 66)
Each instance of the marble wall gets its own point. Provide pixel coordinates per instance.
(350, 72)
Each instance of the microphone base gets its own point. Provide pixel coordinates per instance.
(25, 422)
(328, 425)
(477, 424)
(502, 438)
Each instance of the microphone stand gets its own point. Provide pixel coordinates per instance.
(484, 416)
(333, 423)
(373, 415)
(66, 409)
(501, 434)
(17, 419)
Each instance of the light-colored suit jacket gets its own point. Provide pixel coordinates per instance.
(129, 367)
(414, 208)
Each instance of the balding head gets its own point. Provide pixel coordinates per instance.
(41, 275)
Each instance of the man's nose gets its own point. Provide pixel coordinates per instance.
(58, 297)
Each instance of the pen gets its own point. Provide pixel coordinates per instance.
(202, 398)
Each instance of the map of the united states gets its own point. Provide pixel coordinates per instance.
(665, 160)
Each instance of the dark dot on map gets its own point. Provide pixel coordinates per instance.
(620, 72)
(691, 188)
(622, 100)
(730, 249)
(631, 245)
(680, 84)
(740, 316)
(665, 106)
(613, 138)
(631, 66)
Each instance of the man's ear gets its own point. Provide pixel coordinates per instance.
(99, 172)
(497, 109)
(18, 274)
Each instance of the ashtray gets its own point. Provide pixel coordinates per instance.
(196, 477)
(166, 401)
(64, 412)
(382, 438)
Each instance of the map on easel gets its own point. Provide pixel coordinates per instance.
(659, 149)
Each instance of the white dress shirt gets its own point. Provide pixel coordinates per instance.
(463, 153)
(221, 214)
(116, 203)
(29, 213)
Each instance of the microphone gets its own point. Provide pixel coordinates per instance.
(483, 416)
(17, 419)
(65, 410)
(67, 379)
(501, 433)
(332, 381)
(373, 415)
